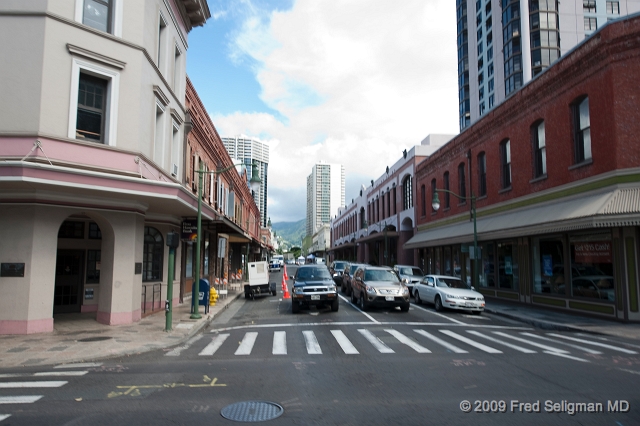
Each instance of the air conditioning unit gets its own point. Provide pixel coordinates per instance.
(174, 170)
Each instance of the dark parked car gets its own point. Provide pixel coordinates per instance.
(378, 286)
(313, 286)
(337, 269)
(410, 275)
(347, 275)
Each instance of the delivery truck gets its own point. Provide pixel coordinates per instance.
(259, 284)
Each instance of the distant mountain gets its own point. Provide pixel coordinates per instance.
(291, 232)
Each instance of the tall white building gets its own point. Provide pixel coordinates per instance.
(325, 194)
(528, 36)
(246, 150)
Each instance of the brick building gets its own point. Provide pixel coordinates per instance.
(555, 175)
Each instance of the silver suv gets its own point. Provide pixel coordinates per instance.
(378, 286)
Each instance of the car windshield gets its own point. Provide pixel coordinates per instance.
(304, 274)
(339, 265)
(411, 271)
(452, 283)
(380, 275)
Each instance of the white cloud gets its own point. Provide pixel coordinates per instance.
(356, 82)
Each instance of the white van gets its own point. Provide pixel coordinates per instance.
(279, 258)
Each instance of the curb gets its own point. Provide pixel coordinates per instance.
(206, 322)
(545, 325)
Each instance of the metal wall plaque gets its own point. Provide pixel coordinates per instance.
(11, 269)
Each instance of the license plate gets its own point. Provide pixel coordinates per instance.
(389, 298)
(315, 297)
(470, 305)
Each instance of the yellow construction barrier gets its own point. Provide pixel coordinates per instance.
(213, 296)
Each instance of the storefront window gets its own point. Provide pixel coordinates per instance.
(447, 261)
(592, 267)
(507, 266)
(548, 269)
(455, 255)
(189, 261)
(487, 268)
(437, 261)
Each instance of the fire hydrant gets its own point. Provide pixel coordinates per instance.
(213, 296)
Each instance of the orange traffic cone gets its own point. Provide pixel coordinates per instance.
(284, 274)
(286, 290)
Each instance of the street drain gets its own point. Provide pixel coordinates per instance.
(252, 411)
(94, 339)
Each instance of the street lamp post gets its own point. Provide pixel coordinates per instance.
(255, 186)
(435, 203)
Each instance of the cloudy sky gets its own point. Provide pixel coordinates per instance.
(352, 82)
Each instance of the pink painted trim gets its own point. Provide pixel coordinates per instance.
(89, 308)
(26, 327)
(119, 318)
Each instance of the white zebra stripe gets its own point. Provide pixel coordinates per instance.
(503, 343)
(313, 347)
(377, 343)
(214, 345)
(470, 342)
(246, 346)
(4, 416)
(279, 343)
(441, 342)
(23, 399)
(602, 345)
(79, 365)
(22, 385)
(344, 342)
(528, 342)
(407, 341)
(582, 348)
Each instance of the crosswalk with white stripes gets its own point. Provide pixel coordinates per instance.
(391, 340)
(22, 381)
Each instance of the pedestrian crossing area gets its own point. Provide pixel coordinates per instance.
(17, 388)
(382, 340)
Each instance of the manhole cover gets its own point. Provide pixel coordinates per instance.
(252, 411)
(94, 339)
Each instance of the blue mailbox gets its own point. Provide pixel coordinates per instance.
(203, 298)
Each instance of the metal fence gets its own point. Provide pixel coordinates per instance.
(151, 300)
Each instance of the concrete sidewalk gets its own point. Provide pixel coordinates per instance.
(79, 338)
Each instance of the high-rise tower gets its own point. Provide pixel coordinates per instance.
(325, 194)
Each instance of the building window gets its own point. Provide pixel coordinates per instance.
(177, 69)
(162, 31)
(93, 266)
(482, 174)
(539, 150)
(433, 192)
(407, 193)
(93, 109)
(505, 160)
(592, 267)
(94, 231)
(462, 185)
(589, 6)
(152, 256)
(582, 130)
(423, 201)
(590, 24)
(447, 197)
(71, 229)
(508, 266)
(613, 8)
(90, 117)
(548, 266)
(98, 14)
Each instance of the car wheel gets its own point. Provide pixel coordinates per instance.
(295, 308)
(405, 308)
(476, 312)
(273, 293)
(416, 296)
(335, 305)
(438, 304)
(362, 303)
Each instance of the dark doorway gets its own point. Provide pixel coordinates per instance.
(68, 285)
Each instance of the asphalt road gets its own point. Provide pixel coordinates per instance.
(382, 367)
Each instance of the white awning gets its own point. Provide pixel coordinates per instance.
(619, 207)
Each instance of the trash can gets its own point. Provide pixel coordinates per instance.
(203, 298)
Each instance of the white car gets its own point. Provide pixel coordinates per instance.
(448, 292)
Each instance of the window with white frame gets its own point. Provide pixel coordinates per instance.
(539, 150)
(582, 130)
(613, 8)
(162, 35)
(102, 15)
(590, 24)
(505, 158)
(94, 103)
(177, 69)
(159, 142)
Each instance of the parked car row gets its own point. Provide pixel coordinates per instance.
(380, 286)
